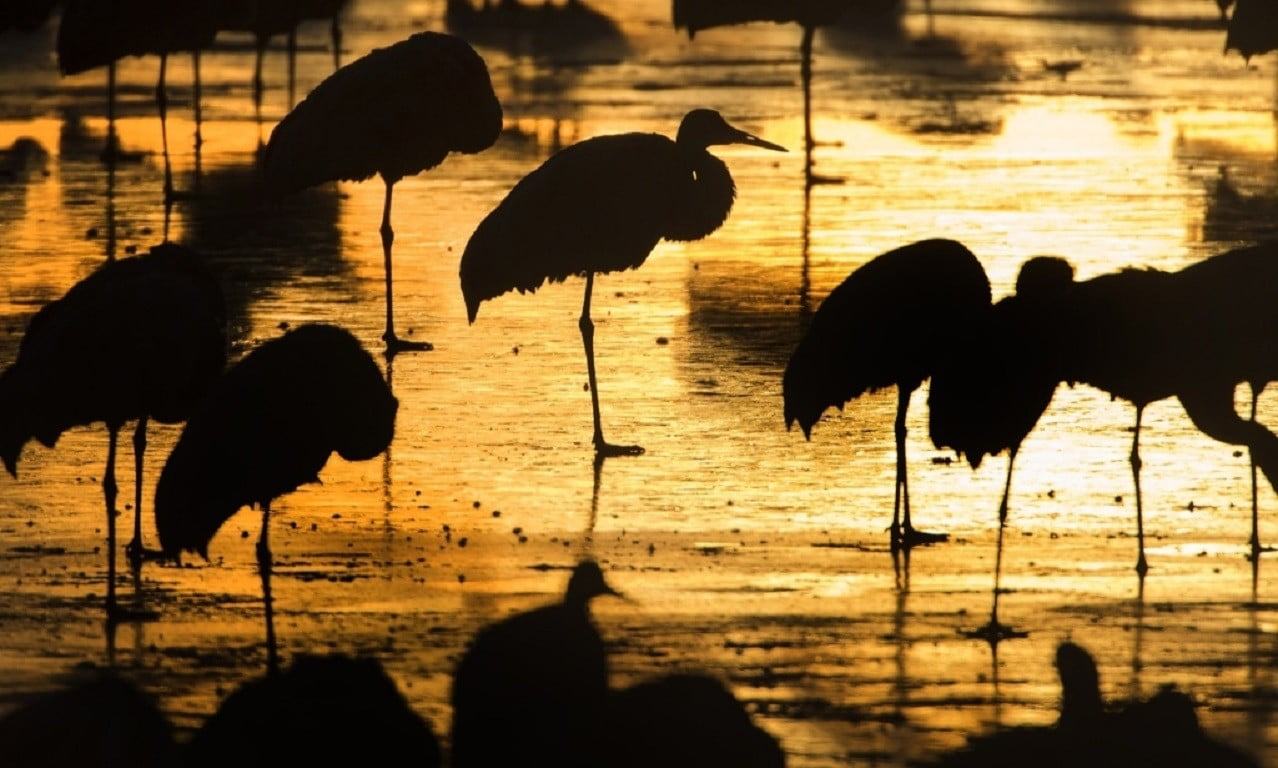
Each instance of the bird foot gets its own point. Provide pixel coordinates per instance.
(395, 345)
(605, 450)
(908, 538)
(1257, 550)
(994, 632)
(117, 615)
(139, 554)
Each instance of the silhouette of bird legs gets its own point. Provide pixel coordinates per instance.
(602, 447)
(114, 611)
(135, 550)
(394, 344)
(903, 535)
(993, 631)
(1256, 548)
(264, 563)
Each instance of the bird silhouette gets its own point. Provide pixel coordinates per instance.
(264, 429)
(100, 720)
(140, 338)
(322, 711)
(987, 395)
(1252, 29)
(96, 33)
(543, 30)
(26, 15)
(601, 205)
(395, 112)
(1161, 731)
(696, 15)
(683, 721)
(892, 322)
(530, 689)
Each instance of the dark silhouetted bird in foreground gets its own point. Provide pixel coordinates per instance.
(1160, 732)
(99, 721)
(683, 721)
(141, 338)
(395, 112)
(892, 322)
(531, 689)
(988, 393)
(321, 711)
(1253, 28)
(267, 427)
(601, 205)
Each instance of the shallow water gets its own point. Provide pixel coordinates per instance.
(747, 551)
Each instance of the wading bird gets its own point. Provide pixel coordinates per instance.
(93, 33)
(531, 689)
(141, 338)
(264, 429)
(601, 205)
(1253, 28)
(989, 393)
(395, 112)
(890, 323)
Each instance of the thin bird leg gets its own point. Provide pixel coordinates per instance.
(587, 326)
(264, 562)
(195, 95)
(292, 65)
(805, 74)
(110, 152)
(258, 85)
(394, 344)
(905, 536)
(1142, 566)
(995, 632)
(162, 102)
(110, 490)
(1256, 547)
(136, 551)
(336, 32)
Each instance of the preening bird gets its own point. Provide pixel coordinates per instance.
(601, 205)
(96, 33)
(988, 393)
(140, 338)
(323, 710)
(683, 721)
(395, 112)
(1160, 731)
(531, 689)
(892, 322)
(267, 427)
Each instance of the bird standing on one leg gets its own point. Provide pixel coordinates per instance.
(892, 322)
(141, 338)
(265, 428)
(395, 112)
(601, 205)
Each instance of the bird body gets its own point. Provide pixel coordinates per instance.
(267, 427)
(602, 205)
(395, 112)
(696, 15)
(531, 689)
(96, 33)
(1253, 28)
(893, 321)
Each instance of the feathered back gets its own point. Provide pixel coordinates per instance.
(267, 427)
(600, 205)
(891, 322)
(94, 33)
(143, 336)
(396, 112)
(322, 710)
(696, 15)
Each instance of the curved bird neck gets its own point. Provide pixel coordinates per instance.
(703, 202)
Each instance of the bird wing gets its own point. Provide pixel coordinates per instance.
(598, 206)
(397, 111)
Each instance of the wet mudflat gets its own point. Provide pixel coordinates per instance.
(747, 552)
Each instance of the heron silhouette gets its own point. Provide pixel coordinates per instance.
(322, 710)
(601, 205)
(395, 112)
(1162, 730)
(93, 33)
(531, 689)
(265, 428)
(892, 322)
(978, 414)
(140, 338)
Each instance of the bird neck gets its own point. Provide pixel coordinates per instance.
(702, 203)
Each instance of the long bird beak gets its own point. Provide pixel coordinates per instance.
(741, 137)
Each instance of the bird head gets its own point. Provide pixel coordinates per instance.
(14, 413)
(586, 583)
(1080, 685)
(1044, 277)
(703, 128)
